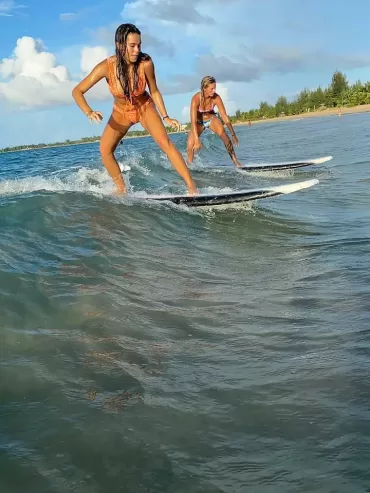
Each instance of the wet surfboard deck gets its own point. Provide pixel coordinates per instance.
(215, 198)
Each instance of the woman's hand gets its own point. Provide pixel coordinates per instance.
(235, 140)
(173, 123)
(95, 116)
(197, 145)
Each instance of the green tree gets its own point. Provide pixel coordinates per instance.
(338, 86)
(266, 110)
(317, 98)
(281, 106)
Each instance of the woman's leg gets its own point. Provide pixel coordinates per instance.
(217, 127)
(116, 128)
(153, 124)
(190, 146)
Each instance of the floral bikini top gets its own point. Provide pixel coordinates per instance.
(115, 85)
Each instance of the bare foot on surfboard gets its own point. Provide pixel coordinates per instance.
(192, 190)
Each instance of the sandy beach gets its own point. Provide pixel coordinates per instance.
(312, 114)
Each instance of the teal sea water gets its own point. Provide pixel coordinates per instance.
(153, 348)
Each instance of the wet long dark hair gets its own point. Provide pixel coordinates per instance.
(122, 66)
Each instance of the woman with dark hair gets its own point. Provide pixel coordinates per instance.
(203, 115)
(127, 74)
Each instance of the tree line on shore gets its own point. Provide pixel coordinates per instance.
(338, 94)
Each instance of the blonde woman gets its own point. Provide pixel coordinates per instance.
(203, 115)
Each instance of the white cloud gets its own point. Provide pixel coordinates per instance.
(190, 12)
(259, 61)
(186, 113)
(32, 77)
(30, 61)
(68, 16)
(230, 105)
(229, 41)
(72, 16)
(91, 56)
(8, 8)
(105, 35)
(168, 11)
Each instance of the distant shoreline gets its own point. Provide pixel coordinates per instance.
(363, 108)
(50, 146)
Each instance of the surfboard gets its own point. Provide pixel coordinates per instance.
(266, 166)
(285, 164)
(220, 198)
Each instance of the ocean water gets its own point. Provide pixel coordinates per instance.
(155, 348)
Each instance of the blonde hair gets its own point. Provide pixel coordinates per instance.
(206, 81)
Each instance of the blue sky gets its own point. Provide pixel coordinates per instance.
(256, 49)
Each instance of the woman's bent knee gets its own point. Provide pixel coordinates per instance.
(106, 150)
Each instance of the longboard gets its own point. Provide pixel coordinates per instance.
(284, 165)
(210, 199)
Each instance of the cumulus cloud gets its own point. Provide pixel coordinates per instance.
(91, 56)
(186, 113)
(32, 77)
(230, 105)
(229, 59)
(260, 61)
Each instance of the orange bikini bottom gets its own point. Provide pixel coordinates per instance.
(128, 115)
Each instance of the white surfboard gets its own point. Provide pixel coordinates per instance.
(303, 163)
(211, 199)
